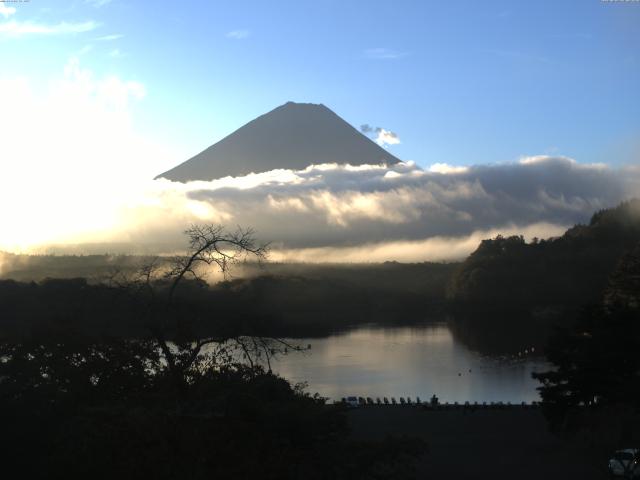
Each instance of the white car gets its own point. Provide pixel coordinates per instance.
(352, 401)
(625, 463)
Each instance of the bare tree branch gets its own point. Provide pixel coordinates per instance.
(155, 285)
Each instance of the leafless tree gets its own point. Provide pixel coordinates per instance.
(156, 284)
(211, 245)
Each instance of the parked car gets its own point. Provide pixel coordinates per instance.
(352, 401)
(625, 463)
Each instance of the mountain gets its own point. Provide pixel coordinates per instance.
(293, 136)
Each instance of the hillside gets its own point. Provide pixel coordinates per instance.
(510, 288)
(567, 270)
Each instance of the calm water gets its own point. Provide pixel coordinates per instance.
(407, 361)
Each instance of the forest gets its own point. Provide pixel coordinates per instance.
(506, 294)
(509, 289)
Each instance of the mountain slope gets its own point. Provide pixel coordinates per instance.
(570, 270)
(293, 136)
(510, 295)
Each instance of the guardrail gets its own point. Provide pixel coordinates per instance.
(430, 405)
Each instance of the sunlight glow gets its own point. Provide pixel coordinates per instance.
(62, 153)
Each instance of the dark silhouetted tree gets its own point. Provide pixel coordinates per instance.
(596, 362)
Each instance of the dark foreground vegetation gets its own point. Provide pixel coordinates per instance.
(149, 370)
(73, 409)
(123, 380)
(593, 391)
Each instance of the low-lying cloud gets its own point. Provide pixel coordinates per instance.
(331, 205)
(435, 249)
(375, 212)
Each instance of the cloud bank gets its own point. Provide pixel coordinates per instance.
(372, 213)
(372, 205)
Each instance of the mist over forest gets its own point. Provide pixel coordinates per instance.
(507, 294)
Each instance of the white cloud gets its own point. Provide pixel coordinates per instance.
(384, 54)
(116, 53)
(335, 212)
(435, 249)
(5, 11)
(110, 38)
(331, 206)
(17, 29)
(533, 159)
(381, 136)
(386, 137)
(322, 213)
(238, 34)
(445, 168)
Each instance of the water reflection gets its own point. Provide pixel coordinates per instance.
(407, 361)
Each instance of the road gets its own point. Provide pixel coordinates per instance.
(488, 444)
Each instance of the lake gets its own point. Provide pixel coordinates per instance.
(408, 361)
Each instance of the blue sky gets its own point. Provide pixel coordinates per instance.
(463, 82)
